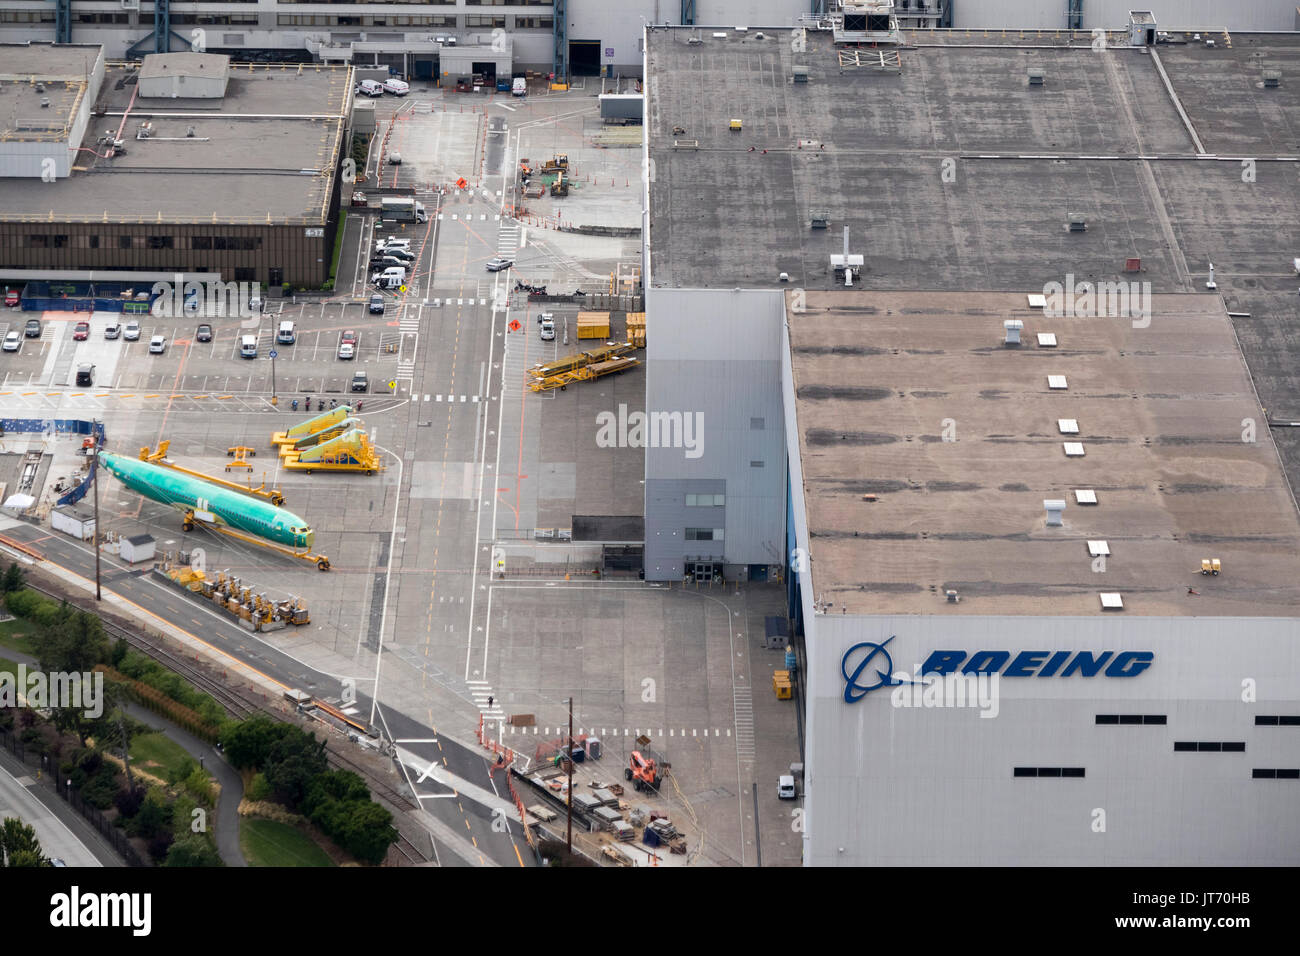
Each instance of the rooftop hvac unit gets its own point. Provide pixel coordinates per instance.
(1012, 327)
(1272, 78)
(1036, 76)
(822, 220)
(1076, 222)
(1054, 507)
(800, 74)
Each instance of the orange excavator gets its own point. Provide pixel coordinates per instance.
(644, 772)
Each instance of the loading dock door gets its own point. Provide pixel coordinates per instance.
(584, 58)
(486, 69)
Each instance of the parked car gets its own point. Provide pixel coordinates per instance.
(391, 242)
(81, 332)
(248, 346)
(13, 298)
(113, 329)
(204, 334)
(158, 345)
(33, 329)
(548, 330)
(376, 304)
(13, 341)
(85, 374)
(499, 264)
(347, 351)
(394, 159)
(360, 383)
(401, 255)
(132, 331)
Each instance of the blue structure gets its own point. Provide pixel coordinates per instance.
(688, 13)
(88, 297)
(560, 61)
(60, 426)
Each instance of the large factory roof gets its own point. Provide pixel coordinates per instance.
(928, 448)
(264, 153)
(41, 85)
(953, 171)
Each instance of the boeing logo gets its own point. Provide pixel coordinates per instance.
(854, 691)
(1023, 664)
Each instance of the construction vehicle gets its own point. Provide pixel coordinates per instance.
(311, 426)
(568, 363)
(351, 451)
(159, 457)
(585, 373)
(234, 597)
(557, 162)
(561, 185)
(644, 772)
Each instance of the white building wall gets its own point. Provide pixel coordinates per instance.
(913, 786)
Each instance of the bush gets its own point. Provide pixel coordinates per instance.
(178, 774)
(159, 845)
(128, 802)
(183, 808)
(200, 785)
(193, 850)
(258, 789)
(100, 789)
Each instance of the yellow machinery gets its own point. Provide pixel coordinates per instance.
(241, 454)
(781, 684)
(734, 126)
(351, 451)
(558, 161)
(235, 598)
(561, 185)
(568, 363)
(159, 457)
(324, 435)
(585, 373)
(312, 425)
(1211, 566)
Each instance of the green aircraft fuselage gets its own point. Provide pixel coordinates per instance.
(211, 504)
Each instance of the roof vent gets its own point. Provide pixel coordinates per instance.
(1013, 327)
(1056, 382)
(1073, 449)
(952, 596)
(784, 277)
(1035, 76)
(1272, 78)
(1076, 223)
(694, 41)
(1111, 601)
(822, 220)
(45, 102)
(1085, 496)
(40, 87)
(1068, 426)
(1055, 507)
(800, 74)
(1098, 549)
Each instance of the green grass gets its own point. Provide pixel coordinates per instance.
(157, 753)
(9, 667)
(268, 843)
(15, 635)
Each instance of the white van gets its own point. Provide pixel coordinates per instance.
(397, 87)
(785, 788)
(248, 346)
(397, 273)
(370, 88)
(519, 87)
(286, 335)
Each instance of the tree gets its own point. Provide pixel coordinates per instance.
(14, 578)
(18, 844)
(367, 831)
(247, 743)
(342, 785)
(73, 642)
(193, 850)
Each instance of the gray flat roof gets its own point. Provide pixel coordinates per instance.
(264, 153)
(956, 174)
(29, 114)
(882, 379)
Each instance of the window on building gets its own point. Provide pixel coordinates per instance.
(200, 242)
(38, 242)
(1278, 720)
(703, 534)
(1048, 772)
(755, 464)
(757, 424)
(125, 242)
(161, 242)
(1132, 718)
(1210, 746)
(59, 242)
(705, 501)
(1276, 773)
(475, 21)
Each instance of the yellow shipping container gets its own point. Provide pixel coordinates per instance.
(593, 325)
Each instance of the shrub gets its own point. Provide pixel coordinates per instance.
(100, 789)
(159, 845)
(258, 789)
(128, 802)
(193, 850)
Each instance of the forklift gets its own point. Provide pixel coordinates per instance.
(644, 772)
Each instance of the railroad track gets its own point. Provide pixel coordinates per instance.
(241, 705)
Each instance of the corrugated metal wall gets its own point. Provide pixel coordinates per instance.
(1113, 14)
(717, 353)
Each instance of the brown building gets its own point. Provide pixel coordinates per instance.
(239, 177)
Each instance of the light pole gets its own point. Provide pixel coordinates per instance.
(274, 399)
(94, 481)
